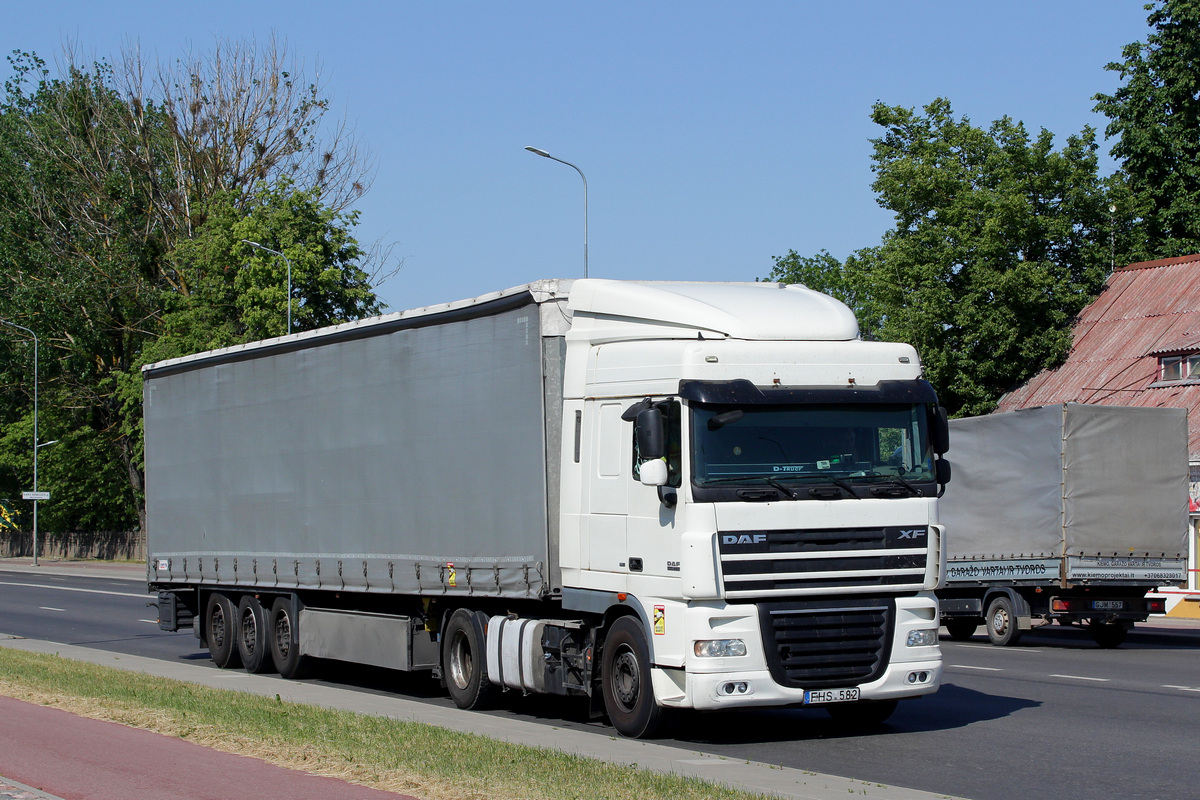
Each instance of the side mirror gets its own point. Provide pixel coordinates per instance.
(942, 471)
(653, 473)
(939, 430)
(651, 437)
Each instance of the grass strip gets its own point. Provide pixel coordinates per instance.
(400, 756)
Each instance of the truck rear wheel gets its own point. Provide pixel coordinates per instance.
(283, 637)
(961, 629)
(1107, 634)
(1002, 623)
(464, 660)
(219, 626)
(625, 680)
(252, 635)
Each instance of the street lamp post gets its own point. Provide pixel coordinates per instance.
(544, 154)
(289, 277)
(36, 446)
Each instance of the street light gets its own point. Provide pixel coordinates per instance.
(544, 154)
(36, 446)
(289, 277)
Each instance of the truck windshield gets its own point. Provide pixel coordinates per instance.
(796, 444)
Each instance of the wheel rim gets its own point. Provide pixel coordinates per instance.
(626, 678)
(1000, 621)
(283, 635)
(216, 626)
(461, 661)
(249, 630)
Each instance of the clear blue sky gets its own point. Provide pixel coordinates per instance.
(713, 135)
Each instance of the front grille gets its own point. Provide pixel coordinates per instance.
(817, 644)
(764, 564)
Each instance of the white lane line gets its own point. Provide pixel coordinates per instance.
(74, 589)
(151, 621)
(1081, 678)
(969, 666)
(48, 608)
(1182, 688)
(996, 649)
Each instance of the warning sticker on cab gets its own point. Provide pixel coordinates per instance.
(660, 620)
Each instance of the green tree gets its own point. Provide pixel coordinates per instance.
(1155, 118)
(122, 206)
(1000, 239)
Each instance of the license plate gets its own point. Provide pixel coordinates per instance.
(1108, 605)
(823, 696)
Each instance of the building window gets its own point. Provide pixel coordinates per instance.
(1179, 368)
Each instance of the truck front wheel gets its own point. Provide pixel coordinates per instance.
(625, 681)
(1002, 623)
(464, 663)
(219, 625)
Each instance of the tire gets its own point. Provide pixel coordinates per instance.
(864, 714)
(220, 619)
(283, 641)
(625, 681)
(1107, 634)
(1001, 623)
(464, 660)
(252, 635)
(961, 629)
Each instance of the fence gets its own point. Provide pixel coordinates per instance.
(116, 545)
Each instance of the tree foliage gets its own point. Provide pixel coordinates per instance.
(999, 240)
(1154, 117)
(123, 203)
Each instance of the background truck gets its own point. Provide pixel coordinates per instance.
(652, 495)
(1065, 512)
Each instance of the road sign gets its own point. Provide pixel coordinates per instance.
(35, 495)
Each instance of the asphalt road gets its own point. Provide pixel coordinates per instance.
(1055, 716)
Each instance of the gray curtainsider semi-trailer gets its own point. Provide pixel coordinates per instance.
(654, 495)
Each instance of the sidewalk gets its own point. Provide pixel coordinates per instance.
(78, 758)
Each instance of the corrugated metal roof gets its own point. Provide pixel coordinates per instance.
(1145, 309)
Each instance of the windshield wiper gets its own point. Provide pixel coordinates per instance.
(816, 491)
(891, 482)
(767, 479)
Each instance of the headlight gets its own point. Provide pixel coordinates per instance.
(924, 638)
(720, 648)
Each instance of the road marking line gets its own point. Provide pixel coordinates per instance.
(1082, 678)
(1182, 688)
(74, 589)
(48, 608)
(970, 666)
(151, 621)
(996, 649)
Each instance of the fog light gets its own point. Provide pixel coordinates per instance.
(923, 638)
(734, 687)
(720, 648)
(918, 677)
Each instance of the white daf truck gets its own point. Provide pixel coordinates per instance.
(654, 495)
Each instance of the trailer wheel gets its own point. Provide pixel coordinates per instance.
(219, 626)
(625, 681)
(961, 629)
(252, 635)
(863, 714)
(464, 660)
(1107, 634)
(1002, 623)
(283, 638)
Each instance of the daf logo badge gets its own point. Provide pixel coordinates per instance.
(744, 538)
